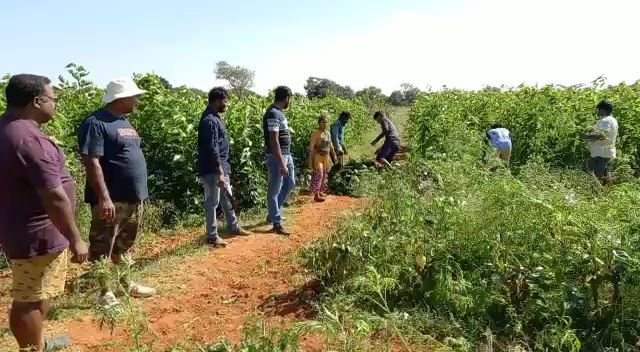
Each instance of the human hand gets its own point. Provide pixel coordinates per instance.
(80, 252)
(107, 209)
(222, 181)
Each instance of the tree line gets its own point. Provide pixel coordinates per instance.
(241, 79)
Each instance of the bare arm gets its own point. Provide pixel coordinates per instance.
(380, 136)
(95, 177)
(58, 208)
(594, 136)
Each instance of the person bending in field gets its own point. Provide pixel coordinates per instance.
(602, 142)
(37, 210)
(500, 139)
(386, 153)
(337, 136)
(116, 182)
(214, 167)
(281, 173)
(320, 151)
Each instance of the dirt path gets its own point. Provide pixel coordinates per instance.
(212, 294)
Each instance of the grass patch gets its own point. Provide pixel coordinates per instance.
(453, 253)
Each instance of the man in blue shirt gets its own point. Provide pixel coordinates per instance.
(277, 142)
(116, 181)
(337, 135)
(214, 167)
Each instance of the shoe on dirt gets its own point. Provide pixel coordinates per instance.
(139, 291)
(319, 199)
(216, 242)
(279, 230)
(108, 300)
(56, 344)
(268, 221)
(241, 232)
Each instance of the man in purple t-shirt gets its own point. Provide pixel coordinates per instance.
(37, 209)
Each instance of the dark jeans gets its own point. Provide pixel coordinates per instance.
(388, 150)
(599, 166)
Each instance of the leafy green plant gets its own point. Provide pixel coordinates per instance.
(258, 337)
(542, 259)
(545, 122)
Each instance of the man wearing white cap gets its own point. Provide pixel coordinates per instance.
(116, 181)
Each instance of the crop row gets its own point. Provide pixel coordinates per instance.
(545, 122)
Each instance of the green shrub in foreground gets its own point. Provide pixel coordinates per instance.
(545, 258)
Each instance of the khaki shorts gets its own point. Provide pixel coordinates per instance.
(39, 278)
(122, 232)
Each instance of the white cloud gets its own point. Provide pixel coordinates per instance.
(499, 42)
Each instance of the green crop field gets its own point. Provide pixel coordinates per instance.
(535, 257)
(448, 251)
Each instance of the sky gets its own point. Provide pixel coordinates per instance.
(458, 43)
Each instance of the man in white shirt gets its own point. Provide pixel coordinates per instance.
(500, 139)
(602, 141)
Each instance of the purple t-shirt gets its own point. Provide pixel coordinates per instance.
(29, 160)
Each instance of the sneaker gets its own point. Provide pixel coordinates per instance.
(241, 232)
(139, 291)
(216, 242)
(56, 344)
(279, 230)
(108, 300)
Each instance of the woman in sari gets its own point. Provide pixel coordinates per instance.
(320, 153)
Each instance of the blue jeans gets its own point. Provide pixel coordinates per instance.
(214, 196)
(279, 187)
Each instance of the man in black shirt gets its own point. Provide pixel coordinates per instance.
(277, 141)
(116, 181)
(214, 167)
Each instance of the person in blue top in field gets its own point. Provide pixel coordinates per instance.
(214, 167)
(500, 139)
(337, 136)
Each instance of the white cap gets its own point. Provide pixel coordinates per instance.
(121, 88)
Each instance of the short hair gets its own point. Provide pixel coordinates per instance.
(378, 114)
(23, 88)
(606, 106)
(282, 93)
(217, 93)
(321, 118)
(345, 115)
(496, 125)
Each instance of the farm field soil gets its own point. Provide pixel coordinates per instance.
(203, 297)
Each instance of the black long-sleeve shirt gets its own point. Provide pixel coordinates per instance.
(213, 144)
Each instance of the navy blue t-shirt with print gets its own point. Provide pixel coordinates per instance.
(116, 143)
(275, 120)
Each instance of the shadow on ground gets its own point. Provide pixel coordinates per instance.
(298, 302)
